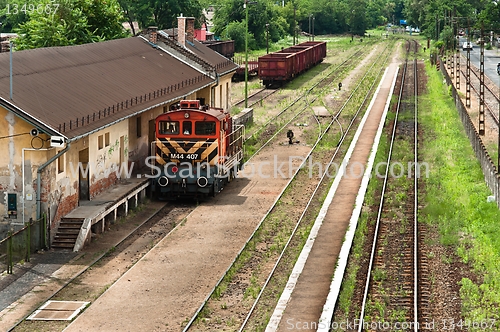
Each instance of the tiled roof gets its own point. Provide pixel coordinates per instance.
(98, 83)
(222, 64)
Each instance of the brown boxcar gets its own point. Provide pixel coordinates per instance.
(284, 65)
(226, 48)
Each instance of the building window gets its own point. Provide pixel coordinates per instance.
(138, 126)
(100, 143)
(106, 139)
(60, 164)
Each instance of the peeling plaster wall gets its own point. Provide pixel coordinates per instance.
(60, 190)
(140, 147)
(105, 169)
(15, 137)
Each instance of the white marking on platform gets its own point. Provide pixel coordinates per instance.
(331, 300)
(299, 265)
(58, 310)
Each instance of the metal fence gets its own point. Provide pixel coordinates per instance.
(491, 175)
(19, 246)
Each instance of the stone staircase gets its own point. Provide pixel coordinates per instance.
(67, 233)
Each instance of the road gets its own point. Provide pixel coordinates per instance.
(491, 59)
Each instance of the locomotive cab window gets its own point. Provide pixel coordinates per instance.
(204, 128)
(187, 128)
(168, 127)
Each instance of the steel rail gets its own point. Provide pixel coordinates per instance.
(85, 269)
(493, 115)
(204, 303)
(303, 96)
(337, 149)
(273, 91)
(415, 202)
(299, 98)
(379, 214)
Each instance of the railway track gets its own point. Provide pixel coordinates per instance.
(300, 104)
(138, 243)
(256, 97)
(491, 98)
(391, 291)
(291, 231)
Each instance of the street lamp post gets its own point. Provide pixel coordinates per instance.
(310, 16)
(313, 27)
(245, 5)
(311, 34)
(267, 38)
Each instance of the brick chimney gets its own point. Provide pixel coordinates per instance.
(153, 37)
(181, 30)
(190, 29)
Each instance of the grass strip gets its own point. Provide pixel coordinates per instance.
(456, 200)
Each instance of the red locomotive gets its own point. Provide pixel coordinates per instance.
(197, 151)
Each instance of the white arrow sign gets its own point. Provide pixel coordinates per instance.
(57, 141)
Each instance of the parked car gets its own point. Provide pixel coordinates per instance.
(467, 46)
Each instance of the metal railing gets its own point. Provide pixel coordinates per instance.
(18, 246)
(490, 171)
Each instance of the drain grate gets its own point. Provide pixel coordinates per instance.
(58, 310)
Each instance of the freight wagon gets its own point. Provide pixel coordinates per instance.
(284, 65)
(226, 48)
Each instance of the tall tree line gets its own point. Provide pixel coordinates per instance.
(83, 21)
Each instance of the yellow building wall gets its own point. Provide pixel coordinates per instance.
(221, 93)
(107, 149)
(16, 142)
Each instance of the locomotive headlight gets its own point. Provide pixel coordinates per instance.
(186, 115)
(163, 181)
(202, 181)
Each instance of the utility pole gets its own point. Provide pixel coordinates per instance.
(267, 38)
(481, 127)
(310, 27)
(245, 5)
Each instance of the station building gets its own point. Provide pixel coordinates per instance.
(93, 107)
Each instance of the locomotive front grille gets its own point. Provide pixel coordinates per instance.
(178, 151)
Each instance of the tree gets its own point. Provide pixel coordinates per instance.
(160, 13)
(104, 17)
(14, 12)
(260, 13)
(71, 23)
(356, 18)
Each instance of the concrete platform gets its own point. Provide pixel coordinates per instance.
(33, 283)
(107, 206)
(108, 200)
